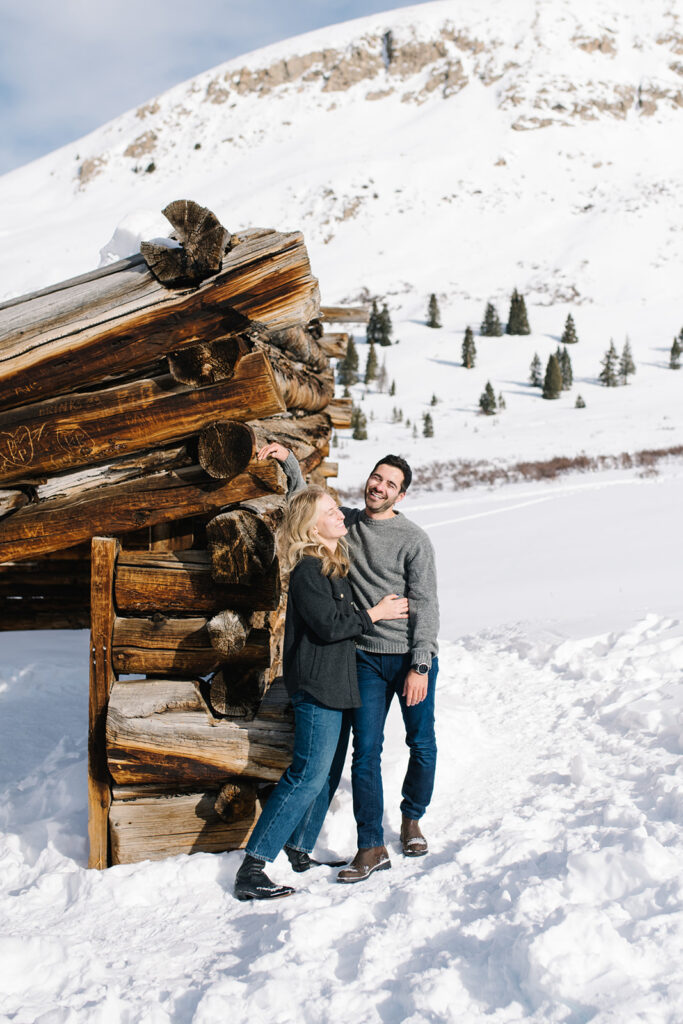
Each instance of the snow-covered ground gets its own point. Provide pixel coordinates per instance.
(553, 890)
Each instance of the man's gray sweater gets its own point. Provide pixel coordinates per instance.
(390, 556)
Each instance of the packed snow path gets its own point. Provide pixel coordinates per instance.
(552, 893)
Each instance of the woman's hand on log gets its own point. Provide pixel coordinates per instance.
(273, 451)
(390, 607)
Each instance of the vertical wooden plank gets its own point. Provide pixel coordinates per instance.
(102, 564)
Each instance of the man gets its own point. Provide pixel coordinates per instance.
(389, 554)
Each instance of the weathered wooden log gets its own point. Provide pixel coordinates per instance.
(301, 347)
(345, 314)
(103, 559)
(236, 692)
(228, 631)
(87, 428)
(242, 541)
(208, 362)
(226, 448)
(153, 827)
(339, 410)
(203, 240)
(300, 387)
(236, 800)
(301, 434)
(55, 578)
(11, 500)
(34, 613)
(163, 729)
(334, 344)
(153, 645)
(53, 524)
(62, 339)
(185, 581)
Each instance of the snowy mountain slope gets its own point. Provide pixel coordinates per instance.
(461, 148)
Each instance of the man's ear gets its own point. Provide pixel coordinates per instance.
(401, 496)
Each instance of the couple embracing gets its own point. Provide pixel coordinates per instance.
(361, 627)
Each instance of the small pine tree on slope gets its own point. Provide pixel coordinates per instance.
(569, 335)
(535, 378)
(518, 322)
(487, 400)
(626, 365)
(386, 328)
(469, 351)
(433, 312)
(491, 326)
(552, 385)
(427, 426)
(565, 368)
(675, 356)
(373, 330)
(608, 373)
(371, 364)
(347, 373)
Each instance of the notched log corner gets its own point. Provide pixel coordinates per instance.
(203, 243)
(236, 800)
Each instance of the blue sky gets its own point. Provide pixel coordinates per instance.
(67, 66)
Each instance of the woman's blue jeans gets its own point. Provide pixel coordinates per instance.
(296, 809)
(380, 677)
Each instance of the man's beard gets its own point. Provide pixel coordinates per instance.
(385, 505)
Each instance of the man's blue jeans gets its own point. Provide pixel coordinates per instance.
(296, 808)
(380, 677)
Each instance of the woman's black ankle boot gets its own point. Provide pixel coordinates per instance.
(302, 861)
(252, 883)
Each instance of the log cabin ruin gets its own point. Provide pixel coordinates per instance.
(132, 402)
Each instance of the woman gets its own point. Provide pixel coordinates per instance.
(319, 669)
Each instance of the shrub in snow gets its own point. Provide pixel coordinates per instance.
(675, 356)
(579, 404)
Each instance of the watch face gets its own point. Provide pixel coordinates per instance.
(423, 669)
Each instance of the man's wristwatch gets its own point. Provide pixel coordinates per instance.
(422, 669)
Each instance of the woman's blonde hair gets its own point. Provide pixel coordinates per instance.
(300, 539)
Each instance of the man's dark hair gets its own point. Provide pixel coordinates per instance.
(398, 463)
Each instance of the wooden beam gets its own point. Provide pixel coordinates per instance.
(345, 314)
(114, 509)
(153, 645)
(83, 429)
(182, 581)
(103, 559)
(334, 344)
(162, 729)
(339, 411)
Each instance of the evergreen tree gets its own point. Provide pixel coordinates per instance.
(608, 373)
(491, 326)
(565, 364)
(626, 364)
(414, 429)
(371, 364)
(346, 392)
(427, 426)
(385, 326)
(501, 402)
(347, 373)
(487, 400)
(535, 378)
(382, 377)
(569, 335)
(335, 440)
(552, 385)
(434, 400)
(373, 330)
(359, 424)
(433, 312)
(579, 403)
(675, 357)
(392, 389)
(469, 351)
(518, 322)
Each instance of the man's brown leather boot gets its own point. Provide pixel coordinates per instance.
(372, 858)
(413, 842)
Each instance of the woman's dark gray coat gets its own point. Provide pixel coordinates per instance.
(319, 653)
